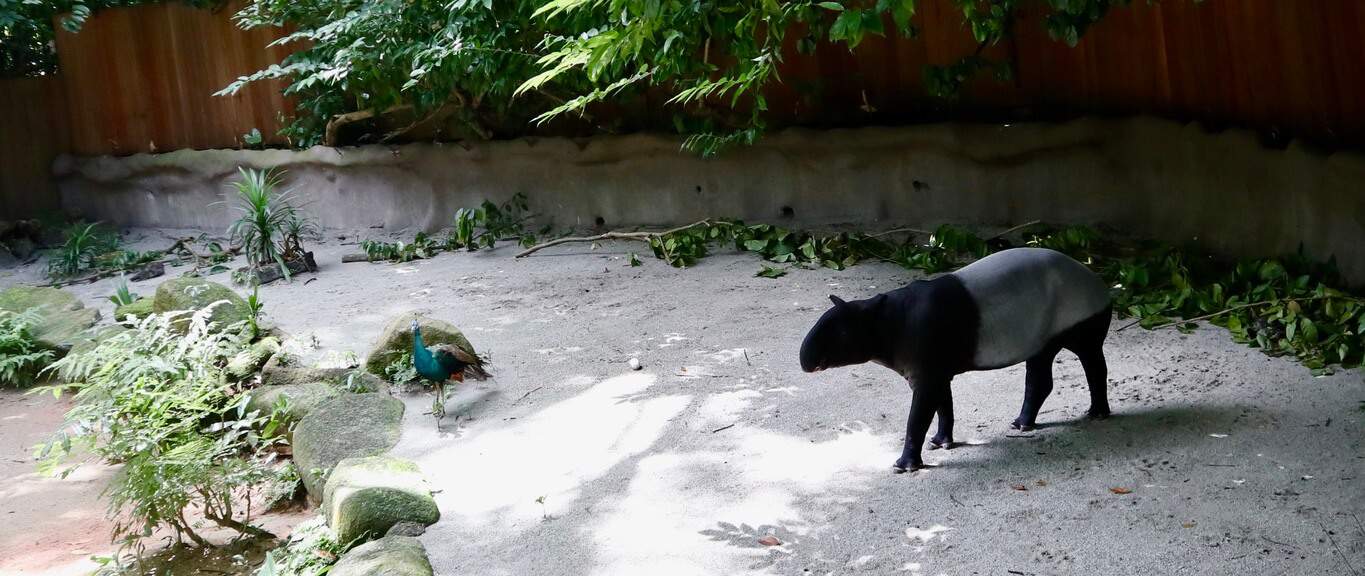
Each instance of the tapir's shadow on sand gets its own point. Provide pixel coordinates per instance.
(1128, 433)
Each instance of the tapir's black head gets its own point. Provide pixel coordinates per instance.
(842, 337)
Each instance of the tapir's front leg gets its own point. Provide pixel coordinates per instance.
(928, 394)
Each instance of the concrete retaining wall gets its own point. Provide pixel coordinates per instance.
(1149, 177)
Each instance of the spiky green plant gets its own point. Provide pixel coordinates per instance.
(84, 244)
(270, 229)
(122, 296)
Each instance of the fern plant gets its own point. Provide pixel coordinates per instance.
(158, 402)
(20, 356)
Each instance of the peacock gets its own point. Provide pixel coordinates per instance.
(440, 363)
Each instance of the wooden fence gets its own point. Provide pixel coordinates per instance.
(1265, 64)
(33, 131)
(141, 79)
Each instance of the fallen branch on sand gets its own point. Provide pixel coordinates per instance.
(637, 236)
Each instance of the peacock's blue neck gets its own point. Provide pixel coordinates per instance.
(422, 359)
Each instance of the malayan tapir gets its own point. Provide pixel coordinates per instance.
(1017, 305)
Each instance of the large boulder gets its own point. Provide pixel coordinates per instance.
(63, 319)
(283, 374)
(388, 556)
(195, 294)
(396, 339)
(348, 426)
(300, 399)
(139, 309)
(365, 497)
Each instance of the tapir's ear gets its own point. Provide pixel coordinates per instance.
(836, 300)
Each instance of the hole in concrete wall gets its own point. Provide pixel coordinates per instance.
(600, 221)
(699, 188)
(919, 186)
(787, 212)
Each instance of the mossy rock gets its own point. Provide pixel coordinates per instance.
(244, 364)
(277, 374)
(348, 426)
(388, 556)
(301, 399)
(140, 308)
(195, 294)
(364, 497)
(63, 319)
(396, 340)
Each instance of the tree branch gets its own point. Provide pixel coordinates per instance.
(638, 236)
(334, 125)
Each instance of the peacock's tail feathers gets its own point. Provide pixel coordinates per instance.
(455, 358)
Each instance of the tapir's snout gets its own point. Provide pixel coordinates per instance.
(810, 360)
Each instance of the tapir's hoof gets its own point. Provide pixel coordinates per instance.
(1020, 426)
(902, 467)
(938, 443)
(1095, 414)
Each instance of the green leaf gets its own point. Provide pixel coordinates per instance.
(848, 28)
(835, 6)
(771, 272)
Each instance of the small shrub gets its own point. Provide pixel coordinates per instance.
(401, 370)
(270, 230)
(122, 295)
(20, 357)
(160, 404)
(84, 245)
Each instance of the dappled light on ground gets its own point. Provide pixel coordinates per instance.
(705, 512)
(493, 476)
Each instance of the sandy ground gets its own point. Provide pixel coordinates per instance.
(1236, 463)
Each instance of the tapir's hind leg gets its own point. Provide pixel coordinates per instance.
(1037, 385)
(944, 438)
(1086, 340)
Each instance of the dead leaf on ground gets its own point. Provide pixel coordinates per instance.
(1020, 487)
(1041, 482)
(1120, 490)
(769, 540)
(1187, 525)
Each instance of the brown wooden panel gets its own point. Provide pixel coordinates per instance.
(34, 132)
(142, 79)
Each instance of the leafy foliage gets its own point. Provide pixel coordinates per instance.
(401, 370)
(160, 403)
(270, 229)
(310, 551)
(20, 356)
(473, 228)
(476, 68)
